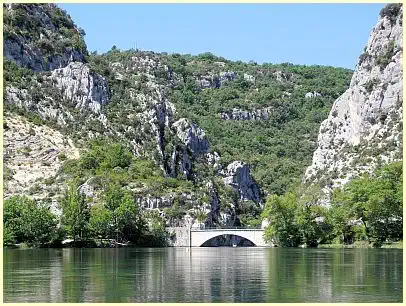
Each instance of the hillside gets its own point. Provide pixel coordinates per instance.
(199, 139)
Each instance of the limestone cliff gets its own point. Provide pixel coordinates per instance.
(364, 127)
(33, 155)
(41, 37)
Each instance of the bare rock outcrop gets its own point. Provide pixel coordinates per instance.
(55, 42)
(83, 87)
(237, 175)
(364, 127)
(33, 154)
(254, 115)
(192, 136)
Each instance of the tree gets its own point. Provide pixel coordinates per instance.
(307, 210)
(130, 224)
(280, 211)
(117, 156)
(338, 216)
(8, 237)
(376, 200)
(75, 212)
(100, 221)
(26, 220)
(127, 222)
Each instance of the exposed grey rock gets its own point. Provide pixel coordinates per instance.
(237, 175)
(312, 94)
(24, 52)
(368, 115)
(87, 189)
(213, 216)
(220, 64)
(249, 78)
(180, 163)
(33, 154)
(214, 81)
(282, 76)
(213, 159)
(81, 86)
(192, 136)
(254, 115)
(227, 76)
(205, 83)
(150, 202)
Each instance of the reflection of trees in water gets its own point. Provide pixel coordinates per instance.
(228, 274)
(333, 275)
(228, 240)
(23, 271)
(203, 275)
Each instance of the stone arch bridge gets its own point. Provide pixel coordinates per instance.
(199, 236)
(196, 237)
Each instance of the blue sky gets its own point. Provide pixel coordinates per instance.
(322, 34)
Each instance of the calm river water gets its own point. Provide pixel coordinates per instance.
(203, 275)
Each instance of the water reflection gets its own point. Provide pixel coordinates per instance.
(203, 275)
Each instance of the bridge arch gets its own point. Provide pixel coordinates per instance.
(198, 237)
(228, 240)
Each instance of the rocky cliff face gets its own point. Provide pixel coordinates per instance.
(364, 127)
(41, 37)
(192, 136)
(85, 89)
(237, 175)
(33, 155)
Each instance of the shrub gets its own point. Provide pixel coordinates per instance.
(363, 57)
(384, 59)
(369, 86)
(391, 11)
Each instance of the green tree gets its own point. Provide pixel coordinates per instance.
(28, 221)
(100, 221)
(8, 237)
(307, 210)
(280, 212)
(75, 213)
(338, 216)
(117, 156)
(377, 200)
(131, 224)
(127, 221)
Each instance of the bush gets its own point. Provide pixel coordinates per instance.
(384, 59)
(370, 85)
(363, 57)
(391, 11)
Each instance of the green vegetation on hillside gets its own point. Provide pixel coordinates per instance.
(369, 208)
(279, 148)
(24, 20)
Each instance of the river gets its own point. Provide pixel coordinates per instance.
(220, 274)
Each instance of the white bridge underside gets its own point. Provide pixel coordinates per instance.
(199, 237)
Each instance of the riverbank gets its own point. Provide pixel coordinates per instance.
(362, 245)
(94, 244)
(89, 244)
